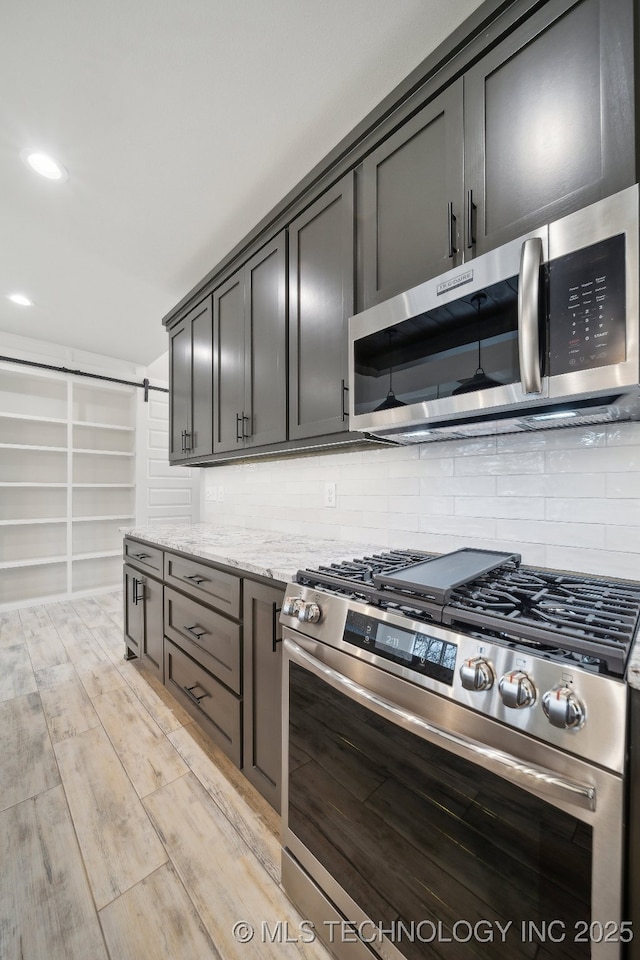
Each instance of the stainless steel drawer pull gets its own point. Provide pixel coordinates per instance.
(142, 556)
(192, 696)
(195, 631)
(195, 578)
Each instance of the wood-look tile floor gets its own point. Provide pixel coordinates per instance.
(124, 833)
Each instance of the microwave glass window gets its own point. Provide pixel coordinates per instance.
(463, 346)
(587, 308)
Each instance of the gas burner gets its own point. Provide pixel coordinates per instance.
(589, 620)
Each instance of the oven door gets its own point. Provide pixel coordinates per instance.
(415, 828)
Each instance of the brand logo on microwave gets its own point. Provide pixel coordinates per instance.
(454, 282)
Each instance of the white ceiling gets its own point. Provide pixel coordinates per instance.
(181, 123)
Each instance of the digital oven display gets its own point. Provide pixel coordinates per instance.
(427, 655)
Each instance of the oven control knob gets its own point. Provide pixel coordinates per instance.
(309, 613)
(517, 690)
(563, 709)
(476, 674)
(291, 606)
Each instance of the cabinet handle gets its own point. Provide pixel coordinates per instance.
(345, 395)
(187, 441)
(239, 426)
(142, 556)
(451, 229)
(194, 631)
(184, 441)
(471, 209)
(137, 597)
(189, 692)
(245, 436)
(274, 629)
(195, 578)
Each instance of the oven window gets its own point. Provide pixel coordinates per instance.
(463, 346)
(429, 842)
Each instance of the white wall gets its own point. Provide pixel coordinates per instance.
(163, 493)
(566, 499)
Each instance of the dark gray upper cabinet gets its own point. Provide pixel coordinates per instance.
(321, 299)
(540, 126)
(549, 118)
(191, 384)
(413, 201)
(250, 349)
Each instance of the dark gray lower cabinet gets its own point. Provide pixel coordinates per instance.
(217, 710)
(213, 638)
(143, 619)
(263, 689)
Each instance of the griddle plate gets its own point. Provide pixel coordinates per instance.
(436, 579)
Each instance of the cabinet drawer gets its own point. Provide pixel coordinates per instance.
(205, 635)
(213, 587)
(214, 707)
(142, 556)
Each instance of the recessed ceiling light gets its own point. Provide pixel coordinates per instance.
(20, 299)
(45, 165)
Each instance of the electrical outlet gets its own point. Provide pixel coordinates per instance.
(220, 494)
(329, 494)
(211, 494)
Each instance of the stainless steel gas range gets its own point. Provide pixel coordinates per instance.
(454, 756)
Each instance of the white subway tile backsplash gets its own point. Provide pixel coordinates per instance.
(542, 531)
(568, 498)
(499, 464)
(523, 508)
(610, 459)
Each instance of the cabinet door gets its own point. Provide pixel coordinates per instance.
(266, 345)
(200, 441)
(179, 389)
(133, 608)
(549, 118)
(412, 195)
(263, 689)
(229, 348)
(153, 635)
(321, 300)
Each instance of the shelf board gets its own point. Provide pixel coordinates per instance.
(39, 562)
(30, 446)
(111, 516)
(30, 521)
(102, 426)
(27, 483)
(31, 417)
(103, 453)
(110, 485)
(96, 556)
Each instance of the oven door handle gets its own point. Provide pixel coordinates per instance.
(528, 775)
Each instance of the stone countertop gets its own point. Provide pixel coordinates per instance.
(262, 552)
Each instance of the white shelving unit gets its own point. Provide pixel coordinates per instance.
(67, 483)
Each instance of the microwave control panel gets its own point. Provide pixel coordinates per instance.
(587, 307)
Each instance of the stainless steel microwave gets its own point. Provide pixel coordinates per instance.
(540, 332)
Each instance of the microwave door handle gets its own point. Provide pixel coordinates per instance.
(528, 315)
(544, 782)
